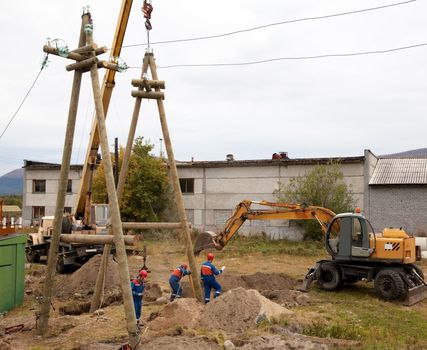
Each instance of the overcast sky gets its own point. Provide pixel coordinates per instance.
(332, 106)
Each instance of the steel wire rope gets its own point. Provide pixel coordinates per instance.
(374, 52)
(215, 36)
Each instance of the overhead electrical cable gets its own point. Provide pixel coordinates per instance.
(375, 52)
(271, 25)
(25, 97)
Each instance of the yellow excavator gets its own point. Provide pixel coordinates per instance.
(357, 252)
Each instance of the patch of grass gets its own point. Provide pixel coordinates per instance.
(356, 313)
(337, 330)
(242, 245)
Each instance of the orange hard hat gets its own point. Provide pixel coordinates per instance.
(143, 273)
(210, 256)
(184, 266)
(357, 210)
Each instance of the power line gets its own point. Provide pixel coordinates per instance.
(271, 25)
(26, 95)
(291, 58)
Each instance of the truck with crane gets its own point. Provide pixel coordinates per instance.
(356, 251)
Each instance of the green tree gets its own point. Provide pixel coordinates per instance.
(144, 195)
(323, 186)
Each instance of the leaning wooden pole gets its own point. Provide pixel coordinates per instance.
(176, 186)
(115, 219)
(60, 200)
(99, 286)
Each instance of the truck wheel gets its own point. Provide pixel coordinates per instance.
(389, 285)
(328, 276)
(32, 257)
(60, 266)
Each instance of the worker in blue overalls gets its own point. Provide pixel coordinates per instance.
(175, 279)
(208, 273)
(138, 286)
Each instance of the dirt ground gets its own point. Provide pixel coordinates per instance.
(254, 311)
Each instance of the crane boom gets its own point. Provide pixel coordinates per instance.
(82, 205)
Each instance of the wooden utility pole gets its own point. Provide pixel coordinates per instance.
(115, 220)
(60, 200)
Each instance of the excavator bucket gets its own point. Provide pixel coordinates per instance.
(415, 295)
(204, 240)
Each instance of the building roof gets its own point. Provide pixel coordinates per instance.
(11, 209)
(34, 165)
(400, 171)
(267, 162)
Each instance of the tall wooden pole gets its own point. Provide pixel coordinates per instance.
(176, 186)
(99, 287)
(113, 203)
(60, 200)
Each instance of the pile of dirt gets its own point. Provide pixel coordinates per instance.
(244, 307)
(277, 287)
(82, 282)
(180, 313)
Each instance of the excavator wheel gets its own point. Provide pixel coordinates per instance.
(328, 276)
(389, 285)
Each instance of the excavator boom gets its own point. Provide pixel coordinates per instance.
(277, 211)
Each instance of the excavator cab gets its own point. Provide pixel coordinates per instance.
(348, 237)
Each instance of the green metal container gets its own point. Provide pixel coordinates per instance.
(12, 270)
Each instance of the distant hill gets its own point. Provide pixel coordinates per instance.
(12, 182)
(415, 153)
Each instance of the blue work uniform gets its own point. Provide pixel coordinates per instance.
(137, 292)
(174, 280)
(208, 273)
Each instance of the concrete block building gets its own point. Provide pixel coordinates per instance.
(390, 191)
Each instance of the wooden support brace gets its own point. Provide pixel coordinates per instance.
(86, 64)
(85, 49)
(152, 83)
(151, 225)
(53, 51)
(109, 65)
(96, 239)
(155, 95)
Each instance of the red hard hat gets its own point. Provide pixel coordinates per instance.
(210, 256)
(143, 273)
(184, 266)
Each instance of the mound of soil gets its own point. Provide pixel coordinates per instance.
(244, 307)
(275, 286)
(180, 313)
(82, 282)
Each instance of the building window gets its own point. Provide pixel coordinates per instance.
(39, 186)
(70, 186)
(67, 210)
(38, 213)
(187, 185)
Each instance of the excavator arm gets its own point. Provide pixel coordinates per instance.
(277, 211)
